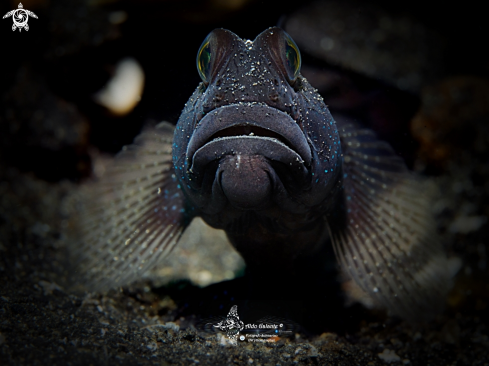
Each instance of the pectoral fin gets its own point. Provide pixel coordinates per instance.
(121, 225)
(386, 239)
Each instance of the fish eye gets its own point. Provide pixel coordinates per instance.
(293, 56)
(204, 59)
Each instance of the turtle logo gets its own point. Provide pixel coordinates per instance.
(20, 17)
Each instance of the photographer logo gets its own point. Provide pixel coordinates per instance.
(20, 17)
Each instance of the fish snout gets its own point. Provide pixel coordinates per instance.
(245, 181)
(249, 151)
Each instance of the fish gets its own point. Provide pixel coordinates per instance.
(257, 153)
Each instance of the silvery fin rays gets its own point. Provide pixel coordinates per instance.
(386, 239)
(133, 215)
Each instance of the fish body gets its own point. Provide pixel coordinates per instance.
(257, 153)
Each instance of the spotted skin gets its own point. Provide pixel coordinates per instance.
(257, 153)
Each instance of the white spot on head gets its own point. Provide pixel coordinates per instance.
(238, 161)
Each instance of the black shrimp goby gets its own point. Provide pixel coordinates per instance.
(257, 153)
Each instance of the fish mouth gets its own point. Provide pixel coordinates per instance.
(248, 129)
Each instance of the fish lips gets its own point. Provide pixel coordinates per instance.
(248, 129)
(247, 153)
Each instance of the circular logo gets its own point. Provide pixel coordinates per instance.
(20, 17)
(241, 337)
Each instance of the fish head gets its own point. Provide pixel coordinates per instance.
(255, 135)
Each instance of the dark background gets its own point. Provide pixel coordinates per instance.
(72, 49)
(50, 127)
